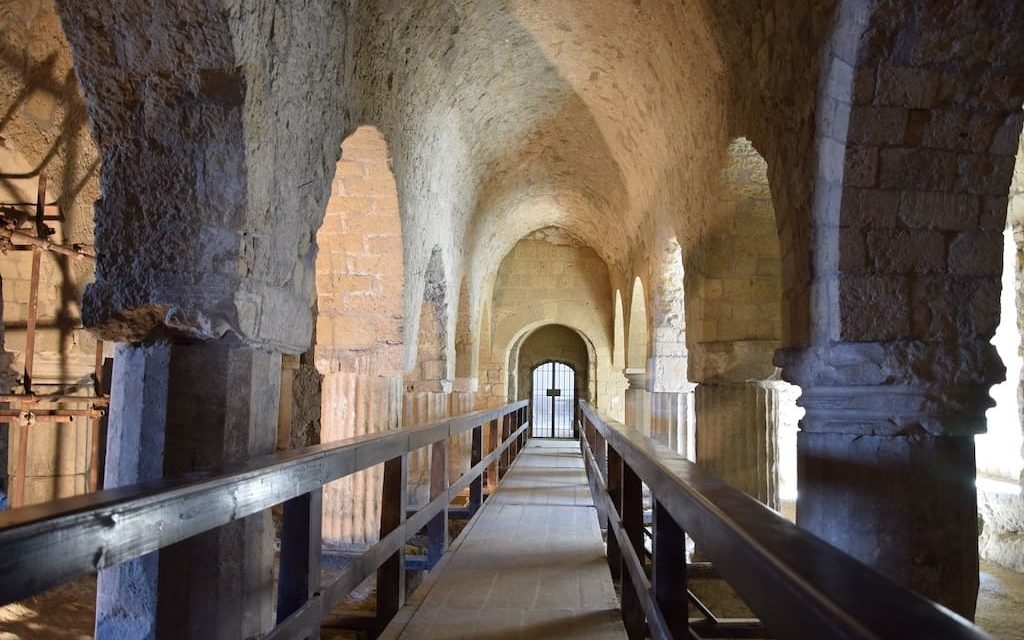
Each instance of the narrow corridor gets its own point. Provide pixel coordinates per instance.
(531, 565)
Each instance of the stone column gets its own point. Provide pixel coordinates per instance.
(126, 595)
(214, 404)
(352, 405)
(736, 435)
(423, 404)
(886, 458)
(638, 401)
(668, 420)
(462, 400)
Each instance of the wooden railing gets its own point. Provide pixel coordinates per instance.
(46, 545)
(798, 585)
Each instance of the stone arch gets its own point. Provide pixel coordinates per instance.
(918, 120)
(546, 335)
(638, 335)
(734, 285)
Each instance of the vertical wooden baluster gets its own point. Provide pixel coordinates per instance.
(476, 488)
(506, 421)
(437, 529)
(391, 575)
(633, 523)
(668, 571)
(614, 476)
(492, 469)
(300, 553)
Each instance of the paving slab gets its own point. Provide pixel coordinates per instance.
(531, 565)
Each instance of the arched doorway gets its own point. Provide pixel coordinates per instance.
(554, 396)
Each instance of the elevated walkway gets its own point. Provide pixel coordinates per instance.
(530, 565)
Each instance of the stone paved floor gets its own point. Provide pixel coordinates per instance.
(531, 566)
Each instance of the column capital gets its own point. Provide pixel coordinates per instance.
(637, 378)
(894, 388)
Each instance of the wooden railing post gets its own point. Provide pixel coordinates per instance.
(300, 553)
(476, 488)
(506, 423)
(492, 470)
(633, 522)
(668, 571)
(614, 476)
(437, 529)
(391, 575)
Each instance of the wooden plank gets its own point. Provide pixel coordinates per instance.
(492, 470)
(437, 530)
(391, 574)
(633, 526)
(299, 576)
(786, 575)
(668, 571)
(614, 476)
(476, 488)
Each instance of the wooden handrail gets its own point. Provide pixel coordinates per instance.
(55, 542)
(799, 585)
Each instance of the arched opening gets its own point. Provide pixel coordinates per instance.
(999, 451)
(734, 328)
(553, 390)
(619, 335)
(638, 342)
(359, 326)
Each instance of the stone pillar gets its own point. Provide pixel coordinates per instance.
(126, 594)
(421, 407)
(668, 420)
(353, 405)
(638, 401)
(886, 457)
(736, 436)
(462, 400)
(214, 404)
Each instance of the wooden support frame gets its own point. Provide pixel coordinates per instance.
(391, 574)
(786, 575)
(98, 530)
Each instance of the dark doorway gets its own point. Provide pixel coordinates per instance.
(554, 395)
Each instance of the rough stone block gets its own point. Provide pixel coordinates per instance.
(869, 208)
(949, 211)
(911, 87)
(976, 253)
(873, 308)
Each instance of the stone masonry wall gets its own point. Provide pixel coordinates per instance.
(549, 278)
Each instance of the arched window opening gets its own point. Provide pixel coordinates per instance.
(998, 452)
(619, 346)
(357, 347)
(636, 349)
(554, 396)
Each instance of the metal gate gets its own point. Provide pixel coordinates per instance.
(554, 391)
